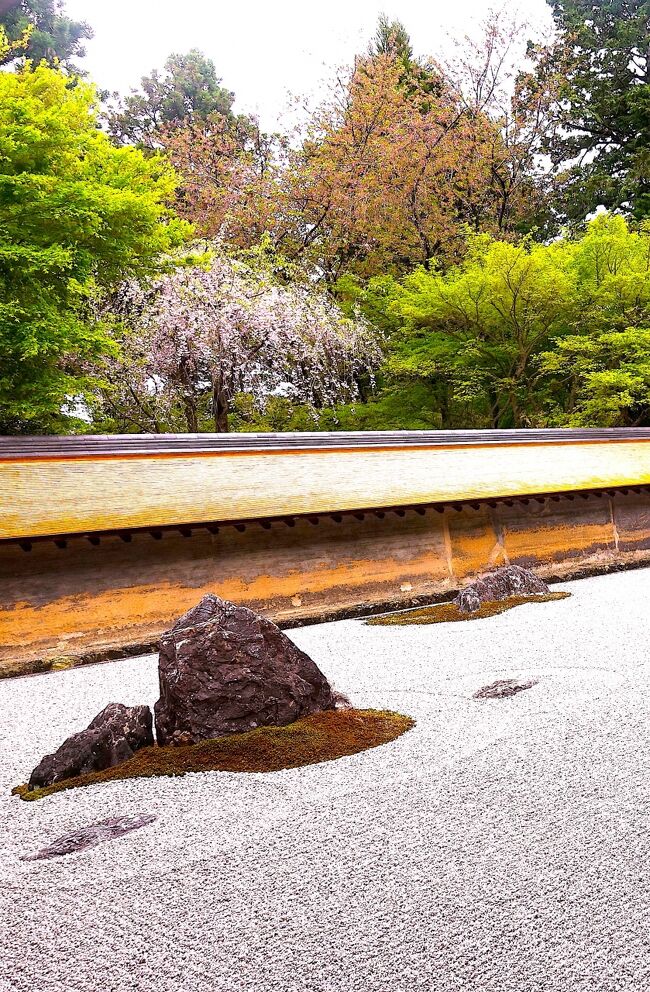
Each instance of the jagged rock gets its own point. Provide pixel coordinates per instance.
(503, 688)
(90, 836)
(111, 738)
(512, 580)
(223, 669)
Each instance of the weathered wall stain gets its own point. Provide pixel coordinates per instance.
(81, 598)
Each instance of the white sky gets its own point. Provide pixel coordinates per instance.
(265, 50)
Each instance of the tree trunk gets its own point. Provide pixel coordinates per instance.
(191, 418)
(220, 408)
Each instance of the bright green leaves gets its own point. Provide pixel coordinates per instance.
(77, 216)
(527, 334)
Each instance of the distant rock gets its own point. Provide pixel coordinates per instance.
(512, 580)
(90, 836)
(224, 669)
(503, 688)
(113, 736)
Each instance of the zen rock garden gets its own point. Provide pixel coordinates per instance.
(226, 675)
(224, 672)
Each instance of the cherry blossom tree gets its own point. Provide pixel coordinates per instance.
(194, 339)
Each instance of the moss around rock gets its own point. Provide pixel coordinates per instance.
(449, 612)
(319, 737)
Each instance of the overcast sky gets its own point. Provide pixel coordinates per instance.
(264, 49)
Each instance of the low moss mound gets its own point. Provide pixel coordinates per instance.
(449, 612)
(319, 737)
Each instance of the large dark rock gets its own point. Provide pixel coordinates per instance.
(500, 584)
(223, 670)
(113, 736)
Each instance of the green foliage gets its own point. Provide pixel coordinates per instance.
(187, 89)
(51, 35)
(398, 406)
(603, 367)
(392, 38)
(525, 334)
(611, 371)
(603, 141)
(77, 216)
(477, 329)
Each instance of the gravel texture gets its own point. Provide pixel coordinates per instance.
(501, 845)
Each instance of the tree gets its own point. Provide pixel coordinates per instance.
(496, 77)
(386, 173)
(188, 89)
(78, 216)
(392, 38)
(52, 36)
(523, 334)
(601, 148)
(610, 372)
(602, 368)
(407, 154)
(478, 330)
(391, 169)
(192, 341)
(231, 186)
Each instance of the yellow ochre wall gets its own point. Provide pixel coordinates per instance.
(49, 496)
(84, 600)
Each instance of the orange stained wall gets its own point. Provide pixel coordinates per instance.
(85, 599)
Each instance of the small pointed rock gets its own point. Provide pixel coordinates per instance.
(112, 737)
(500, 584)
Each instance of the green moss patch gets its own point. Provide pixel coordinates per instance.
(319, 737)
(449, 612)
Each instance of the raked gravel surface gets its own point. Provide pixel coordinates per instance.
(500, 846)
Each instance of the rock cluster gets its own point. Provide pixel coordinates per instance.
(512, 580)
(113, 736)
(222, 670)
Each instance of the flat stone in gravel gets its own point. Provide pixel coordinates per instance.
(503, 688)
(90, 836)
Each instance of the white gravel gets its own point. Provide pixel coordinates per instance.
(501, 845)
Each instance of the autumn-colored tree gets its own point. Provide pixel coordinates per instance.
(390, 170)
(501, 75)
(384, 177)
(231, 176)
